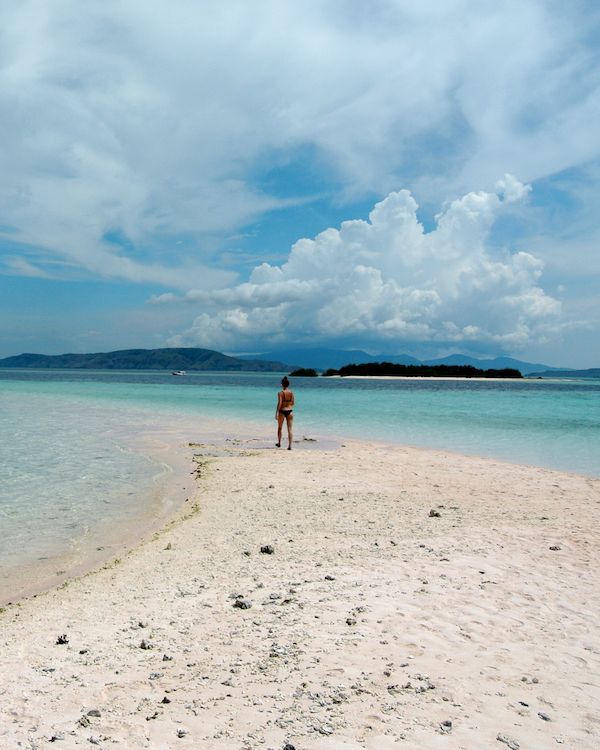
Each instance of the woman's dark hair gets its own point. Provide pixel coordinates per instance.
(284, 381)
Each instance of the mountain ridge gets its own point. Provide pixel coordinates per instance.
(181, 358)
(325, 358)
(193, 358)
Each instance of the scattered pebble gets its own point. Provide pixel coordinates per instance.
(94, 712)
(512, 743)
(267, 549)
(329, 578)
(555, 547)
(544, 716)
(242, 604)
(325, 729)
(145, 646)
(433, 513)
(446, 726)
(181, 733)
(62, 639)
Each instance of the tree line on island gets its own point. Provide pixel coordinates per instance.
(414, 371)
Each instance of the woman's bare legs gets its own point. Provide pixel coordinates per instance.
(289, 418)
(280, 418)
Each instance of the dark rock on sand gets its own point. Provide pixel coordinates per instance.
(433, 513)
(267, 549)
(242, 604)
(62, 639)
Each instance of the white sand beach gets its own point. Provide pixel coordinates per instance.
(367, 622)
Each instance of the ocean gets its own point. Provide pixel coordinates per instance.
(83, 453)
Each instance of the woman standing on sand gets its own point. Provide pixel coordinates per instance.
(285, 402)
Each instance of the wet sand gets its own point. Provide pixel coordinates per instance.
(404, 598)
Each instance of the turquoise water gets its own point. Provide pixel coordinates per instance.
(554, 424)
(68, 466)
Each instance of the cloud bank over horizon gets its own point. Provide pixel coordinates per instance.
(387, 282)
(159, 149)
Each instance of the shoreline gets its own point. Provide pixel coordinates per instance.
(104, 543)
(170, 448)
(436, 377)
(177, 456)
(371, 623)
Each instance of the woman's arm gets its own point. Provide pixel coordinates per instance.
(278, 405)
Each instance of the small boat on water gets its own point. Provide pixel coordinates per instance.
(179, 372)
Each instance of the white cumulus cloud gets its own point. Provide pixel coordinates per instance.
(387, 281)
(150, 121)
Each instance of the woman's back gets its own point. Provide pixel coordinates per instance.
(287, 397)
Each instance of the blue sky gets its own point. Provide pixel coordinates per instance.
(392, 176)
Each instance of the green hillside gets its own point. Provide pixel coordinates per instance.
(144, 359)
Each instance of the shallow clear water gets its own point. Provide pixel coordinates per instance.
(65, 436)
(555, 424)
(67, 471)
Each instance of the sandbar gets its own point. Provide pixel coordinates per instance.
(403, 598)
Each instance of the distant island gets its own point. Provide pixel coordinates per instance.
(429, 371)
(325, 358)
(304, 372)
(177, 359)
